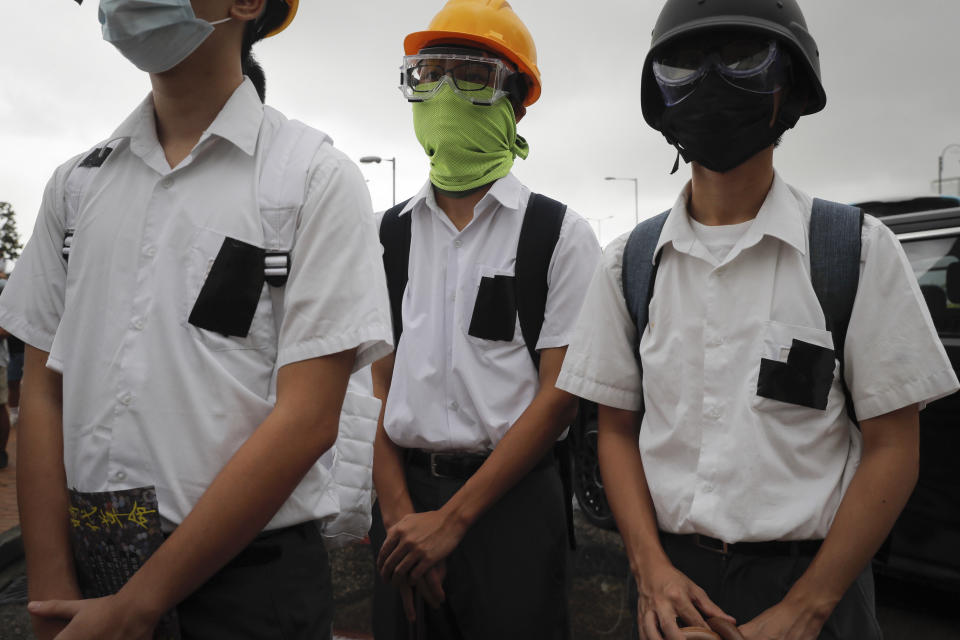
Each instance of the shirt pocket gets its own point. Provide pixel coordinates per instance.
(226, 304)
(494, 313)
(796, 367)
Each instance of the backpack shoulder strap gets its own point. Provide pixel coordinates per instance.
(639, 270)
(835, 243)
(395, 233)
(77, 182)
(284, 176)
(539, 235)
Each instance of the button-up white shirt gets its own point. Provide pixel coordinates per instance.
(148, 398)
(452, 391)
(721, 460)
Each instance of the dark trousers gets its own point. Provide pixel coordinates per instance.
(276, 588)
(744, 586)
(508, 577)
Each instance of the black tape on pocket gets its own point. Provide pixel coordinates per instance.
(804, 379)
(495, 311)
(229, 297)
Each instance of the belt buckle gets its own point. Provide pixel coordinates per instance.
(708, 543)
(433, 467)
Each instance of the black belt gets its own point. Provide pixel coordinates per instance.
(457, 466)
(766, 549)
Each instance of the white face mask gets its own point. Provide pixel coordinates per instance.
(155, 35)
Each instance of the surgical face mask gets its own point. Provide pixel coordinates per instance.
(469, 145)
(720, 126)
(155, 35)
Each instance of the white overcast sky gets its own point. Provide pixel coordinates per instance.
(890, 68)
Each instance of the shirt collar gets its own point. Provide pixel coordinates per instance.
(506, 191)
(780, 216)
(238, 122)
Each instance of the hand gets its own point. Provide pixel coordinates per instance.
(430, 588)
(665, 594)
(788, 620)
(96, 619)
(416, 543)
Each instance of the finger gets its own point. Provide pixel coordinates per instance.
(689, 614)
(392, 561)
(388, 546)
(406, 596)
(650, 629)
(667, 617)
(434, 580)
(64, 609)
(403, 568)
(431, 591)
(707, 606)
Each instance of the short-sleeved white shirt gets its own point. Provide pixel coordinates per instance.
(453, 391)
(720, 459)
(149, 398)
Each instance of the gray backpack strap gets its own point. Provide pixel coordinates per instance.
(284, 177)
(78, 180)
(640, 271)
(283, 185)
(835, 242)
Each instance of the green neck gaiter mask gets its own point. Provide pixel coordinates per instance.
(469, 145)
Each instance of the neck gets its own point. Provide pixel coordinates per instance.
(189, 97)
(732, 197)
(460, 210)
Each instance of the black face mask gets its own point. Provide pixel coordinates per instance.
(721, 126)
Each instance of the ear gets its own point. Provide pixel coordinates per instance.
(247, 10)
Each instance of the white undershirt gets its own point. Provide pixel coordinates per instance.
(720, 239)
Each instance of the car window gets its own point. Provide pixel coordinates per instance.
(940, 283)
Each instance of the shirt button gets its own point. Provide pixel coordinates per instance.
(126, 399)
(137, 323)
(150, 251)
(455, 406)
(708, 488)
(714, 413)
(167, 182)
(120, 476)
(458, 243)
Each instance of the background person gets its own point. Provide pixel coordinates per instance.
(752, 495)
(469, 493)
(166, 366)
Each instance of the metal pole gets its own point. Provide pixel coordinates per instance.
(636, 201)
(940, 176)
(393, 161)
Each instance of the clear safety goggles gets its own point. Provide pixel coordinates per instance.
(477, 79)
(750, 64)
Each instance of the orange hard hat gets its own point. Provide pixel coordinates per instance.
(291, 12)
(492, 25)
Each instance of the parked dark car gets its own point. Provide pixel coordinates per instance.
(925, 542)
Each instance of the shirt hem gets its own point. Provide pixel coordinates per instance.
(374, 342)
(599, 393)
(18, 326)
(922, 392)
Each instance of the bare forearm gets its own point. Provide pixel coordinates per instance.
(388, 474)
(876, 496)
(625, 484)
(250, 489)
(526, 443)
(42, 484)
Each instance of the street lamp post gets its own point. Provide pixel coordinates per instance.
(378, 160)
(599, 222)
(636, 196)
(940, 166)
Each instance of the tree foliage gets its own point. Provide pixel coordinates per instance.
(10, 244)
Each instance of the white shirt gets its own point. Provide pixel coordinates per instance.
(453, 391)
(148, 398)
(721, 460)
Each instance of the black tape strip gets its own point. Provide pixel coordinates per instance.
(229, 297)
(804, 379)
(495, 311)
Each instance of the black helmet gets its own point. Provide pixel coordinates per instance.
(781, 19)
